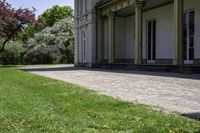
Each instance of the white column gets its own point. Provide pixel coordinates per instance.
(138, 34)
(76, 51)
(76, 35)
(178, 32)
(111, 58)
(101, 40)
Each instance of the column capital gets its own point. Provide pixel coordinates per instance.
(139, 3)
(101, 18)
(110, 14)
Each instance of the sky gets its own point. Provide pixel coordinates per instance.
(40, 5)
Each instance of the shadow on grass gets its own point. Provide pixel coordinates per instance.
(195, 116)
(147, 73)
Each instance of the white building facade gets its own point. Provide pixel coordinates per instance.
(165, 32)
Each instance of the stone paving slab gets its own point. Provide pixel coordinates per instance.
(170, 91)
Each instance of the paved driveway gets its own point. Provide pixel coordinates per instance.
(170, 91)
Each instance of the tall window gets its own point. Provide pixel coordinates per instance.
(151, 40)
(83, 40)
(188, 36)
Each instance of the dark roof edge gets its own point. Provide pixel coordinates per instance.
(102, 3)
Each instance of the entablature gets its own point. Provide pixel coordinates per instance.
(116, 5)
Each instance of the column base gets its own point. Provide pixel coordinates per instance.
(138, 62)
(111, 62)
(177, 62)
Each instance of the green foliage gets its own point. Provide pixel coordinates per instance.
(42, 55)
(49, 18)
(51, 43)
(13, 21)
(57, 39)
(31, 103)
(29, 32)
(55, 14)
(12, 54)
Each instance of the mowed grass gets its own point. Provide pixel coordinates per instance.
(30, 103)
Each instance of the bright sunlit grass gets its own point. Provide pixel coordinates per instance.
(30, 103)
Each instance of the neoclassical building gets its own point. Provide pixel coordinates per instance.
(139, 32)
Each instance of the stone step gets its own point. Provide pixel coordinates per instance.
(158, 68)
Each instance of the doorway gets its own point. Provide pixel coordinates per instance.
(151, 41)
(188, 37)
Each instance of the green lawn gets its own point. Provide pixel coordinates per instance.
(30, 103)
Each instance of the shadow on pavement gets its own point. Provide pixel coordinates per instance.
(148, 73)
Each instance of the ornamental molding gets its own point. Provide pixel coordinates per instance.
(117, 5)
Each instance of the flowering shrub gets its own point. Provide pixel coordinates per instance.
(52, 45)
(12, 54)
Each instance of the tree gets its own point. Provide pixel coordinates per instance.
(49, 18)
(55, 14)
(13, 21)
(52, 45)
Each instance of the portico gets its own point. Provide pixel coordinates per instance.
(114, 9)
(139, 33)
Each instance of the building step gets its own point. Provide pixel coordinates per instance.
(189, 69)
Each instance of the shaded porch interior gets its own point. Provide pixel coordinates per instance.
(124, 36)
(124, 33)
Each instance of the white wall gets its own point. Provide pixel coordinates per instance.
(86, 22)
(79, 46)
(130, 37)
(89, 44)
(164, 17)
(124, 37)
(120, 35)
(164, 31)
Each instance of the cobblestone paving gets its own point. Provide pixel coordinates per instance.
(169, 91)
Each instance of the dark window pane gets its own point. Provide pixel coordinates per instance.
(184, 18)
(191, 35)
(154, 40)
(185, 36)
(191, 54)
(191, 42)
(185, 55)
(185, 48)
(184, 31)
(149, 40)
(191, 23)
(184, 26)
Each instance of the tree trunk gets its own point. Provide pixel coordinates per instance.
(4, 43)
(9, 37)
